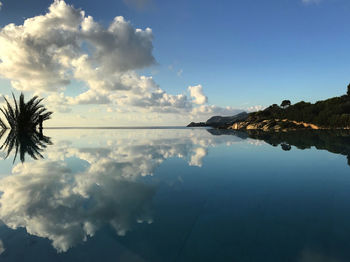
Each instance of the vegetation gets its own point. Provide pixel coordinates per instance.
(285, 103)
(24, 116)
(333, 112)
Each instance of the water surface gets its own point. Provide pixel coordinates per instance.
(176, 195)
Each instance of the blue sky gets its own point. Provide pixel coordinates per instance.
(244, 53)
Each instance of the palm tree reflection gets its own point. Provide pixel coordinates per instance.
(24, 142)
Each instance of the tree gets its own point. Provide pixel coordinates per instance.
(348, 90)
(285, 103)
(24, 116)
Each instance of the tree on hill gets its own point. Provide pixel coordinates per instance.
(348, 90)
(285, 103)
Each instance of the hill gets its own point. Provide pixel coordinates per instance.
(332, 113)
(221, 121)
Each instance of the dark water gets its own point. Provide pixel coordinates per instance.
(176, 195)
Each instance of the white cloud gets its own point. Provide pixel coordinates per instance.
(47, 51)
(50, 52)
(90, 97)
(255, 108)
(205, 111)
(30, 54)
(58, 103)
(197, 93)
(0, 5)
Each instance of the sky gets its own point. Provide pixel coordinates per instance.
(153, 62)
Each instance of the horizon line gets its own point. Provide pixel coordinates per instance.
(113, 127)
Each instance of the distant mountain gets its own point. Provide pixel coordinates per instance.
(221, 121)
(217, 121)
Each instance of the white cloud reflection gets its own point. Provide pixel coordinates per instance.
(2, 247)
(52, 200)
(49, 201)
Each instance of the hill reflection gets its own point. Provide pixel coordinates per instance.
(334, 141)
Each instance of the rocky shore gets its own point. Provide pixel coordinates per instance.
(245, 122)
(332, 114)
(272, 125)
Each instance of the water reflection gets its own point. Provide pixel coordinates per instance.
(31, 143)
(93, 179)
(311, 256)
(334, 141)
(78, 189)
(2, 248)
(49, 201)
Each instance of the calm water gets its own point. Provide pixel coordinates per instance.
(176, 195)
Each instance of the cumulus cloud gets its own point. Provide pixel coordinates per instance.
(59, 103)
(89, 97)
(31, 53)
(48, 53)
(197, 94)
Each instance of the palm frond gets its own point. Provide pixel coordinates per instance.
(16, 105)
(24, 115)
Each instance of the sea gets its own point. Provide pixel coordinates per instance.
(174, 194)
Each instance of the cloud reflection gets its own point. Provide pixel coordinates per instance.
(312, 256)
(51, 199)
(2, 247)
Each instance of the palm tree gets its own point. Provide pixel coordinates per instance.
(24, 116)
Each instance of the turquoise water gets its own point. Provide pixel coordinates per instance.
(177, 195)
